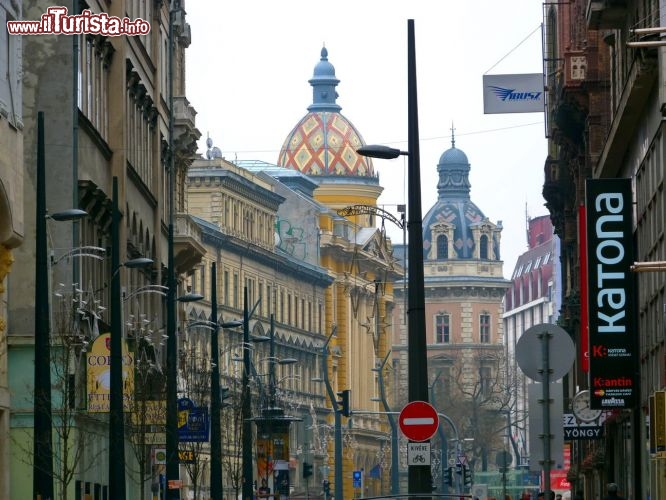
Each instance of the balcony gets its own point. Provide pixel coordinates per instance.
(187, 249)
(606, 14)
(185, 134)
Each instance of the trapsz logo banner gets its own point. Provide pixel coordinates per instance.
(513, 93)
(611, 313)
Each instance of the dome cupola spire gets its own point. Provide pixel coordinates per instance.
(323, 83)
(453, 169)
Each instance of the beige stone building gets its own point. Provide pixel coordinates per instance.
(464, 289)
(106, 103)
(11, 204)
(241, 214)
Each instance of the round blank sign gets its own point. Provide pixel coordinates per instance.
(561, 352)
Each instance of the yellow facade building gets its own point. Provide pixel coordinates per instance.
(360, 302)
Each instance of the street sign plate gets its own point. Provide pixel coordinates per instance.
(418, 453)
(418, 421)
(561, 352)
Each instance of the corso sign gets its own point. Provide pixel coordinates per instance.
(99, 375)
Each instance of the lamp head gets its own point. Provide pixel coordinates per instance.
(138, 262)
(259, 338)
(69, 214)
(234, 323)
(190, 297)
(379, 151)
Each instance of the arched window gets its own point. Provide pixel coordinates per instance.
(483, 247)
(442, 247)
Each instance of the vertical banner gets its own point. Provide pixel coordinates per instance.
(611, 314)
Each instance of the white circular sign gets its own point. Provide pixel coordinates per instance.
(561, 352)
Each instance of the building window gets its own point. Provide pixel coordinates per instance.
(443, 329)
(260, 288)
(443, 383)
(289, 309)
(442, 247)
(94, 58)
(309, 316)
(484, 328)
(483, 247)
(236, 290)
(485, 380)
(203, 281)
(226, 288)
(281, 306)
(269, 299)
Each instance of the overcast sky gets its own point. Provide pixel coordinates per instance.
(250, 61)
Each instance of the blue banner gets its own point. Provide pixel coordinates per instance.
(193, 422)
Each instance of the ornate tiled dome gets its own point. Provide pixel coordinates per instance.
(324, 142)
(454, 213)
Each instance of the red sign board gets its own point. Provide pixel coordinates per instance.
(418, 421)
(558, 480)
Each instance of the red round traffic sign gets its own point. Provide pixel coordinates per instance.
(418, 421)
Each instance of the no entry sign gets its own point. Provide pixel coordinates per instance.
(418, 421)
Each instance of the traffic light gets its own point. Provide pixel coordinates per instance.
(467, 475)
(448, 480)
(343, 402)
(224, 394)
(327, 487)
(307, 470)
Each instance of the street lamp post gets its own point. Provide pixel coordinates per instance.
(246, 408)
(172, 461)
(337, 460)
(216, 476)
(420, 479)
(42, 468)
(444, 451)
(216, 487)
(116, 406)
(116, 415)
(172, 465)
(395, 472)
(273, 424)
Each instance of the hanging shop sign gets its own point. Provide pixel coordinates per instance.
(611, 296)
